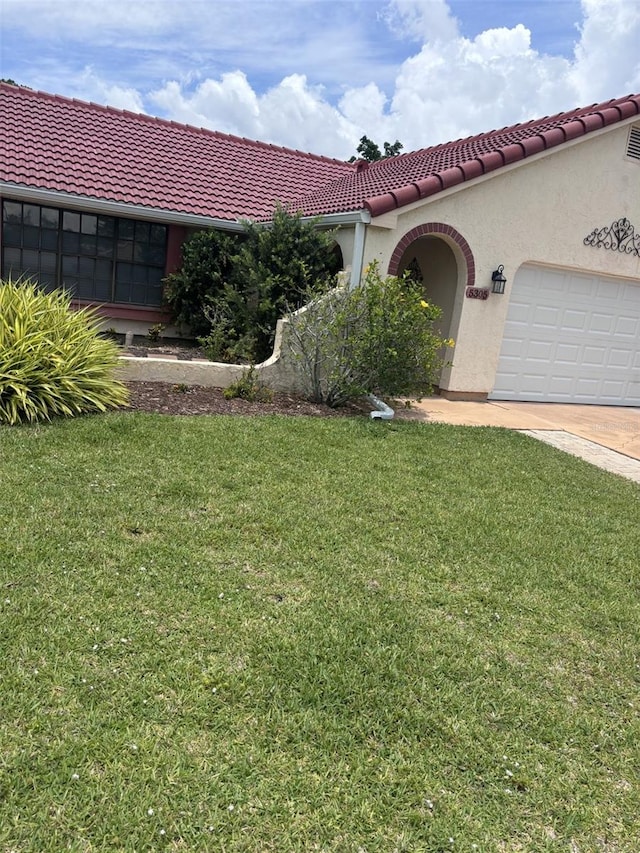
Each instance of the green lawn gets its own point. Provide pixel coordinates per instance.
(271, 634)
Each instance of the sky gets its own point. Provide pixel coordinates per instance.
(317, 75)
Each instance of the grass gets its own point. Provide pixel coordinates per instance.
(271, 634)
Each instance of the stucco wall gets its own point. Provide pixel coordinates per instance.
(345, 238)
(278, 372)
(538, 211)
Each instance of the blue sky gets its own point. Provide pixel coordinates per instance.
(317, 74)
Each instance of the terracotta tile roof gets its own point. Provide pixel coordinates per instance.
(54, 143)
(389, 184)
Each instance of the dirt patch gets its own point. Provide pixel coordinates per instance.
(170, 399)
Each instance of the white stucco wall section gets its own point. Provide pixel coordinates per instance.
(536, 211)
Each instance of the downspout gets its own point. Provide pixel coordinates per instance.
(382, 411)
(358, 254)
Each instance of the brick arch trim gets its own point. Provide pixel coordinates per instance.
(427, 230)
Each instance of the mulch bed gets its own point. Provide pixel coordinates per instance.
(169, 399)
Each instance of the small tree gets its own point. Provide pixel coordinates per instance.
(279, 265)
(379, 338)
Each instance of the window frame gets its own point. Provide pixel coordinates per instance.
(88, 251)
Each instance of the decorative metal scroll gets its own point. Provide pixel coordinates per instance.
(620, 236)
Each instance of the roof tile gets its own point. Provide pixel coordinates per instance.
(554, 136)
(406, 195)
(512, 153)
(491, 160)
(472, 169)
(114, 155)
(429, 186)
(451, 176)
(532, 145)
(50, 142)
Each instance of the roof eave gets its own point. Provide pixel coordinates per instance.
(23, 192)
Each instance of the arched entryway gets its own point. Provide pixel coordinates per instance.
(441, 258)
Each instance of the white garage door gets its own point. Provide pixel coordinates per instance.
(570, 338)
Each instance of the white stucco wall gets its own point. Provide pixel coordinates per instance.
(540, 211)
(345, 238)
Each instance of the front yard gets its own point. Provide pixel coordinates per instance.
(271, 634)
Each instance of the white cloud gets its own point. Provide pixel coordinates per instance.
(229, 105)
(453, 87)
(79, 18)
(422, 20)
(494, 80)
(328, 40)
(293, 113)
(93, 88)
(318, 75)
(607, 57)
(365, 108)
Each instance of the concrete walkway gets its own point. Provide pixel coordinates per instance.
(606, 436)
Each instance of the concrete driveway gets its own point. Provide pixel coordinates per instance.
(607, 436)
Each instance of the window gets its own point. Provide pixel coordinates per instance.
(94, 257)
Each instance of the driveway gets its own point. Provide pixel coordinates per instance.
(607, 436)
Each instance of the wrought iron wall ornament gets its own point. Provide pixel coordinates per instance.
(620, 236)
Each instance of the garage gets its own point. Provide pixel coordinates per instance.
(570, 337)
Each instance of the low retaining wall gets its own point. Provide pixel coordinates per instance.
(274, 372)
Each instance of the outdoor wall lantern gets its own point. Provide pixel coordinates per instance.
(498, 280)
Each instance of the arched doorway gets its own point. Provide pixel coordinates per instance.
(441, 258)
(431, 261)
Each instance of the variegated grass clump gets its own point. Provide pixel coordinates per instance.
(52, 359)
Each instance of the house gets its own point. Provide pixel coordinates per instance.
(528, 237)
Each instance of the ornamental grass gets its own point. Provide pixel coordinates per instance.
(53, 361)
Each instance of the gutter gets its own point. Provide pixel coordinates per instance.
(115, 208)
(55, 198)
(350, 217)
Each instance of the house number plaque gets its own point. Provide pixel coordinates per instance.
(477, 293)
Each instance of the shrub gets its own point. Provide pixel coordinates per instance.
(232, 290)
(53, 360)
(248, 387)
(278, 267)
(154, 333)
(378, 338)
(207, 265)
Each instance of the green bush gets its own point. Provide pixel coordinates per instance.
(207, 265)
(278, 266)
(248, 387)
(52, 359)
(380, 338)
(231, 290)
